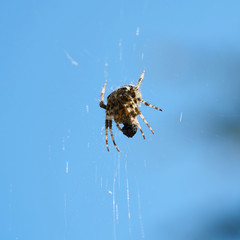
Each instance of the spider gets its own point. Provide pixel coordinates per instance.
(123, 107)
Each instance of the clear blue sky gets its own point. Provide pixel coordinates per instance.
(57, 179)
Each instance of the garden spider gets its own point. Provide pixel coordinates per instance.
(123, 107)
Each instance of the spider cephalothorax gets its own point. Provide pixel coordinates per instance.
(122, 106)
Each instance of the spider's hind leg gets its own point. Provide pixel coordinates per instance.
(143, 118)
(106, 132)
(136, 110)
(140, 128)
(110, 127)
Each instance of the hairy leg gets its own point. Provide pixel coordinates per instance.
(140, 79)
(110, 127)
(102, 105)
(106, 132)
(150, 105)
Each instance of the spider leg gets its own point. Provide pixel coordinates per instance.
(140, 128)
(106, 132)
(140, 79)
(101, 104)
(119, 127)
(150, 105)
(143, 118)
(134, 105)
(110, 127)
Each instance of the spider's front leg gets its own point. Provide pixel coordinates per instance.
(101, 104)
(140, 79)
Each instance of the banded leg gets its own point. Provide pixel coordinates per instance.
(139, 112)
(143, 118)
(106, 133)
(118, 127)
(150, 105)
(101, 104)
(140, 128)
(110, 127)
(140, 79)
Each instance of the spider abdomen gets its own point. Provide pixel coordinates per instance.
(129, 130)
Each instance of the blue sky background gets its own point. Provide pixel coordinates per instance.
(57, 179)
